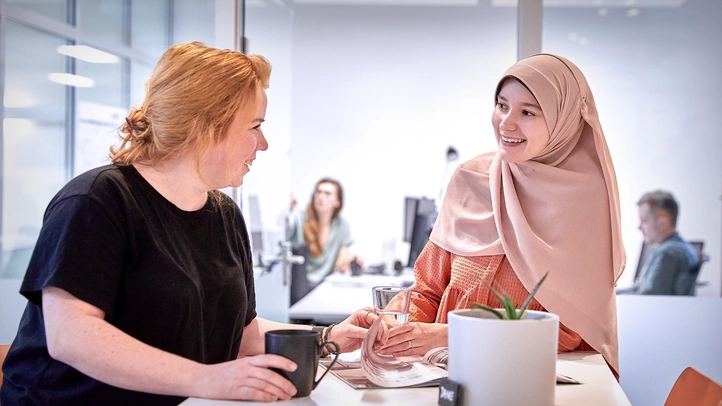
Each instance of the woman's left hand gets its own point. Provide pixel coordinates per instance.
(350, 333)
(415, 339)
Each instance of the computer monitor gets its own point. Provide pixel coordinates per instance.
(419, 217)
(643, 255)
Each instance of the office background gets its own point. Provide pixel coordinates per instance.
(371, 93)
(374, 95)
(378, 93)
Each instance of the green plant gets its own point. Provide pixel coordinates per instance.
(510, 311)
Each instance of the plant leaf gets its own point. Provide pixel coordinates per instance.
(508, 303)
(498, 296)
(489, 309)
(533, 292)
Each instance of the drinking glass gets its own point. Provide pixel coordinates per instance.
(392, 302)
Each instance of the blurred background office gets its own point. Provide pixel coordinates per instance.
(386, 86)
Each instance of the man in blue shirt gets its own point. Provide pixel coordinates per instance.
(672, 264)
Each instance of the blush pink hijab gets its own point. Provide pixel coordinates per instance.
(556, 213)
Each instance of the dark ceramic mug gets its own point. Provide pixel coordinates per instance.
(304, 348)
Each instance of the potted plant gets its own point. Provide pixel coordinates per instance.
(504, 356)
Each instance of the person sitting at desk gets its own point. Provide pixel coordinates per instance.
(326, 233)
(669, 269)
(140, 288)
(546, 202)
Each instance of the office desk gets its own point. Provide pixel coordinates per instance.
(339, 295)
(599, 388)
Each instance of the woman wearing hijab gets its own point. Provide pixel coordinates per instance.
(547, 201)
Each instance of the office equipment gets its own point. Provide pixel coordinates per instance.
(299, 283)
(703, 257)
(419, 217)
(644, 252)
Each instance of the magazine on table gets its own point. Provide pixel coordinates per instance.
(373, 370)
(370, 370)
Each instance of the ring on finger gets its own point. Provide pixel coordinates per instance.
(409, 342)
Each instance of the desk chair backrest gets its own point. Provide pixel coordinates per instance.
(693, 388)
(643, 256)
(693, 275)
(4, 348)
(299, 282)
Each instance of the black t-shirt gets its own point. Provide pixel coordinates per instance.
(176, 280)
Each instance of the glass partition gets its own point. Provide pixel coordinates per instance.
(654, 72)
(34, 139)
(61, 112)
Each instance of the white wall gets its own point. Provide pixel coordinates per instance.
(659, 336)
(379, 93)
(654, 77)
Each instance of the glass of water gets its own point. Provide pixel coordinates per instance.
(392, 302)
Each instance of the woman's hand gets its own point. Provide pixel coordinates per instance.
(247, 378)
(414, 339)
(293, 203)
(349, 334)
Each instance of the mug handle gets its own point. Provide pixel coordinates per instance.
(328, 368)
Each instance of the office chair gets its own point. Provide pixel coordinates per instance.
(299, 283)
(694, 388)
(694, 272)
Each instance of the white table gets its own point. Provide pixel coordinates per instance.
(339, 295)
(599, 388)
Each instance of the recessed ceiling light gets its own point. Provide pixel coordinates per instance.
(632, 12)
(71, 80)
(87, 54)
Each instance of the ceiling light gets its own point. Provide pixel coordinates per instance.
(87, 54)
(632, 12)
(71, 80)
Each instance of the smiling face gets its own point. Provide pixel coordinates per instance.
(519, 123)
(232, 158)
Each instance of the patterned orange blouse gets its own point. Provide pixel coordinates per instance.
(445, 282)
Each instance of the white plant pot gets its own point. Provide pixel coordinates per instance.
(503, 362)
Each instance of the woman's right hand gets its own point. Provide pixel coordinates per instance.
(247, 378)
(293, 204)
(415, 338)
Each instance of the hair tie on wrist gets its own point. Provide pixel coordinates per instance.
(328, 331)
